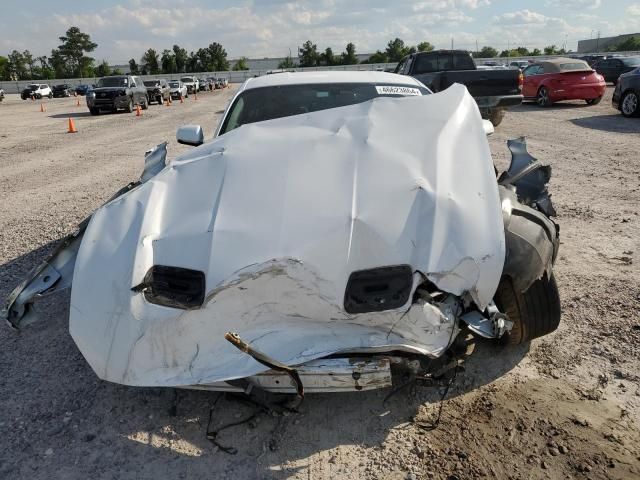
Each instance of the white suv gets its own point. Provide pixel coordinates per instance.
(37, 90)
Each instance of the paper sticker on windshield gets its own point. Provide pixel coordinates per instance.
(392, 90)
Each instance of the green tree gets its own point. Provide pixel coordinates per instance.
(191, 64)
(550, 50)
(59, 64)
(308, 54)
(181, 57)
(424, 47)
(241, 64)
(17, 66)
(103, 70)
(630, 44)
(168, 61)
(73, 48)
(133, 67)
(536, 52)
(378, 57)
(4, 68)
(29, 62)
(487, 52)
(287, 63)
(349, 55)
(150, 61)
(396, 50)
(218, 55)
(327, 57)
(116, 71)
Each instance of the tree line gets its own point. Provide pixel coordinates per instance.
(71, 60)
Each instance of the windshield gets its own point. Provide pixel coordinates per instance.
(113, 82)
(186, 79)
(33, 87)
(631, 61)
(151, 83)
(267, 103)
(174, 84)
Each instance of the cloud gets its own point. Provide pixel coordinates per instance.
(523, 17)
(634, 10)
(573, 4)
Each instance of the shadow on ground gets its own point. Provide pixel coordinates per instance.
(44, 372)
(609, 123)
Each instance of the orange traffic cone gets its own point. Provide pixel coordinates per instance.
(195, 96)
(78, 103)
(42, 109)
(181, 100)
(166, 103)
(138, 112)
(72, 127)
(33, 98)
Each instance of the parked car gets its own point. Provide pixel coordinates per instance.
(192, 84)
(626, 96)
(347, 268)
(612, 68)
(520, 64)
(36, 90)
(117, 92)
(1, 94)
(559, 79)
(178, 89)
(223, 82)
(82, 89)
(203, 84)
(494, 90)
(158, 90)
(62, 90)
(592, 59)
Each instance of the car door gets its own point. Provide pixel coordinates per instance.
(603, 67)
(531, 80)
(617, 68)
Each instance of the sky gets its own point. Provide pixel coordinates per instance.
(124, 29)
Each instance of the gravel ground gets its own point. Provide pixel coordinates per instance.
(565, 406)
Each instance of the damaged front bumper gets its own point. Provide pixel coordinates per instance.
(343, 286)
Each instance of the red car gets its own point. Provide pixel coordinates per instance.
(560, 79)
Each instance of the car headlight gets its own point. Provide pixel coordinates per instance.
(91, 94)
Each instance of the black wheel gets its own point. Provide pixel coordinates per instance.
(496, 116)
(159, 99)
(50, 95)
(94, 111)
(129, 107)
(534, 313)
(542, 98)
(630, 104)
(593, 101)
(145, 103)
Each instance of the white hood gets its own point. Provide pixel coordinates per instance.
(277, 215)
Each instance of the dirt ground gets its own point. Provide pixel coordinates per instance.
(565, 406)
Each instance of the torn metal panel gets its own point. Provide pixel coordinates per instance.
(55, 273)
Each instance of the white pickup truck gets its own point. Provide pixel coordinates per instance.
(192, 84)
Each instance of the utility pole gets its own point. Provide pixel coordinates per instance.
(451, 43)
(477, 49)
(598, 42)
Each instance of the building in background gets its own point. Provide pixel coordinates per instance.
(602, 44)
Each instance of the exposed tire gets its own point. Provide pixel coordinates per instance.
(496, 116)
(129, 107)
(94, 111)
(630, 104)
(542, 97)
(145, 103)
(159, 99)
(534, 313)
(593, 101)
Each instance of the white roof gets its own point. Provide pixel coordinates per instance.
(301, 78)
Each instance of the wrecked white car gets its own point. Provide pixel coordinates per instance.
(341, 227)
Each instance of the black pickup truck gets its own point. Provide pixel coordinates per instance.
(493, 90)
(118, 91)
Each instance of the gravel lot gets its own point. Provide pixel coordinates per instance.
(566, 406)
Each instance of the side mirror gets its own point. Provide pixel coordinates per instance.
(487, 126)
(190, 135)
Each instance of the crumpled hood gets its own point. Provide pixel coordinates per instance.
(277, 215)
